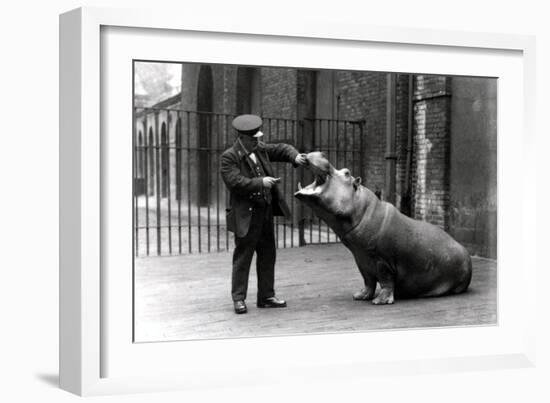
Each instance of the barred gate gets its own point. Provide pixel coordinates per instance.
(180, 199)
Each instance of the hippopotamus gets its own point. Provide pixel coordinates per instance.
(407, 257)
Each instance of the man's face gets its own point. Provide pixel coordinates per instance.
(249, 142)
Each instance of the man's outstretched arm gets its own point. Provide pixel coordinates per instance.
(281, 152)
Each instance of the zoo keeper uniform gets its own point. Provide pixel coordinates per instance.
(251, 210)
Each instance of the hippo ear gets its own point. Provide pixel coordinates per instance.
(357, 182)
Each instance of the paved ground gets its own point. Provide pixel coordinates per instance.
(188, 297)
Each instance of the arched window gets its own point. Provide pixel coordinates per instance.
(205, 107)
(139, 156)
(164, 161)
(248, 90)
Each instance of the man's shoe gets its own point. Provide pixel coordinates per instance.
(239, 306)
(271, 302)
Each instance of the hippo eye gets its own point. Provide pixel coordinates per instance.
(346, 172)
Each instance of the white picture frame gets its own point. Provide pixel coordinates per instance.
(91, 344)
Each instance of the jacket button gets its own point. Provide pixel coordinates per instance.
(250, 209)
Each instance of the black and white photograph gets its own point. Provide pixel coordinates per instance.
(275, 202)
(272, 201)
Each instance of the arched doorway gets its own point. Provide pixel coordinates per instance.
(248, 91)
(151, 164)
(164, 163)
(179, 154)
(204, 121)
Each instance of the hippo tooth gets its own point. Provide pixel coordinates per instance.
(299, 186)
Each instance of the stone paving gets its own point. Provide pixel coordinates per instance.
(188, 297)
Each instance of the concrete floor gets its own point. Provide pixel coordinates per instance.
(188, 297)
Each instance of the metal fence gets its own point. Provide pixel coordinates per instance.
(180, 199)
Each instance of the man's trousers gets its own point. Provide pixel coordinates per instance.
(260, 239)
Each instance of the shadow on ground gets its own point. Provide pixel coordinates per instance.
(49, 379)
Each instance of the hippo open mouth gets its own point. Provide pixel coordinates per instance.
(321, 169)
(314, 187)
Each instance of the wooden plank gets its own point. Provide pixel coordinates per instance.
(188, 297)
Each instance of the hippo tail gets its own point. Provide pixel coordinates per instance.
(464, 282)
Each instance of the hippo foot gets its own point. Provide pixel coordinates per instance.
(363, 295)
(385, 297)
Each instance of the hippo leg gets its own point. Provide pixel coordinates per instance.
(385, 278)
(367, 293)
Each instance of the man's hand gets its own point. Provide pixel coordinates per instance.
(301, 159)
(268, 181)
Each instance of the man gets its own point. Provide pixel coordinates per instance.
(254, 200)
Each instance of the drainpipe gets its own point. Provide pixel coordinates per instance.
(391, 155)
(406, 198)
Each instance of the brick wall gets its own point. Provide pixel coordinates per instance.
(279, 92)
(430, 180)
(362, 95)
(352, 91)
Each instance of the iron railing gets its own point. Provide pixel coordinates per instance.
(179, 197)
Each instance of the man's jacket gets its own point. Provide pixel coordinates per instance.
(237, 172)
